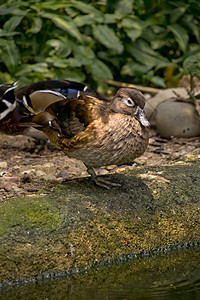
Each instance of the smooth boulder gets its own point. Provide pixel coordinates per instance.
(178, 119)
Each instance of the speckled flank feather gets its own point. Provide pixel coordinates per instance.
(101, 144)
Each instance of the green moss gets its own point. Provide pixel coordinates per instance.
(24, 213)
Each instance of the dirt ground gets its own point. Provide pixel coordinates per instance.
(25, 169)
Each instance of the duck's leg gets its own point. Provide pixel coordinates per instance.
(102, 180)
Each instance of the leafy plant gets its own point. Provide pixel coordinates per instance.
(191, 66)
(126, 40)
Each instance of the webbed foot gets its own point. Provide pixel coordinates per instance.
(102, 180)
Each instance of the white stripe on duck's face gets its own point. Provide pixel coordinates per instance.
(85, 88)
(8, 102)
(10, 108)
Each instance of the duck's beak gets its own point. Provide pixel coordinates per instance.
(139, 115)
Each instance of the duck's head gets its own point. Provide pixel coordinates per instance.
(130, 101)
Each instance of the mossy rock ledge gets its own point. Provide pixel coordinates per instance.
(76, 224)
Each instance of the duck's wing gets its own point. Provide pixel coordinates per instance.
(72, 116)
(41, 94)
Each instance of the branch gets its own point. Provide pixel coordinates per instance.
(139, 87)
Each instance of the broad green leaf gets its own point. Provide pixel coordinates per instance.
(86, 8)
(191, 65)
(59, 48)
(177, 13)
(12, 23)
(163, 64)
(71, 74)
(84, 52)
(4, 33)
(191, 23)
(132, 68)
(124, 6)
(131, 23)
(67, 62)
(93, 18)
(107, 37)
(85, 20)
(36, 26)
(10, 55)
(133, 34)
(38, 68)
(154, 20)
(44, 14)
(157, 29)
(53, 5)
(71, 12)
(107, 57)
(90, 19)
(157, 44)
(57, 62)
(13, 9)
(68, 26)
(180, 34)
(158, 81)
(74, 62)
(111, 18)
(147, 59)
(100, 70)
(68, 43)
(145, 47)
(132, 28)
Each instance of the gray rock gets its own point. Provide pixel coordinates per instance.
(152, 103)
(178, 119)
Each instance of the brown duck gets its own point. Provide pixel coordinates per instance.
(98, 132)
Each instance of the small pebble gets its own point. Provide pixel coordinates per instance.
(50, 177)
(16, 189)
(3, 164)
(40, 173)
(30, 172)
(48, 165)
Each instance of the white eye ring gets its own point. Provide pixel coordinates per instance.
(129, 101)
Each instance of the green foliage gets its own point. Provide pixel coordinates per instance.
(191, 65)
(89, 41)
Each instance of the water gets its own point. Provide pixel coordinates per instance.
(164, 277)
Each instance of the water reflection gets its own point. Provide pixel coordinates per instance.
(169, 276)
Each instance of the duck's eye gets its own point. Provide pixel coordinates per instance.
(129, 101)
